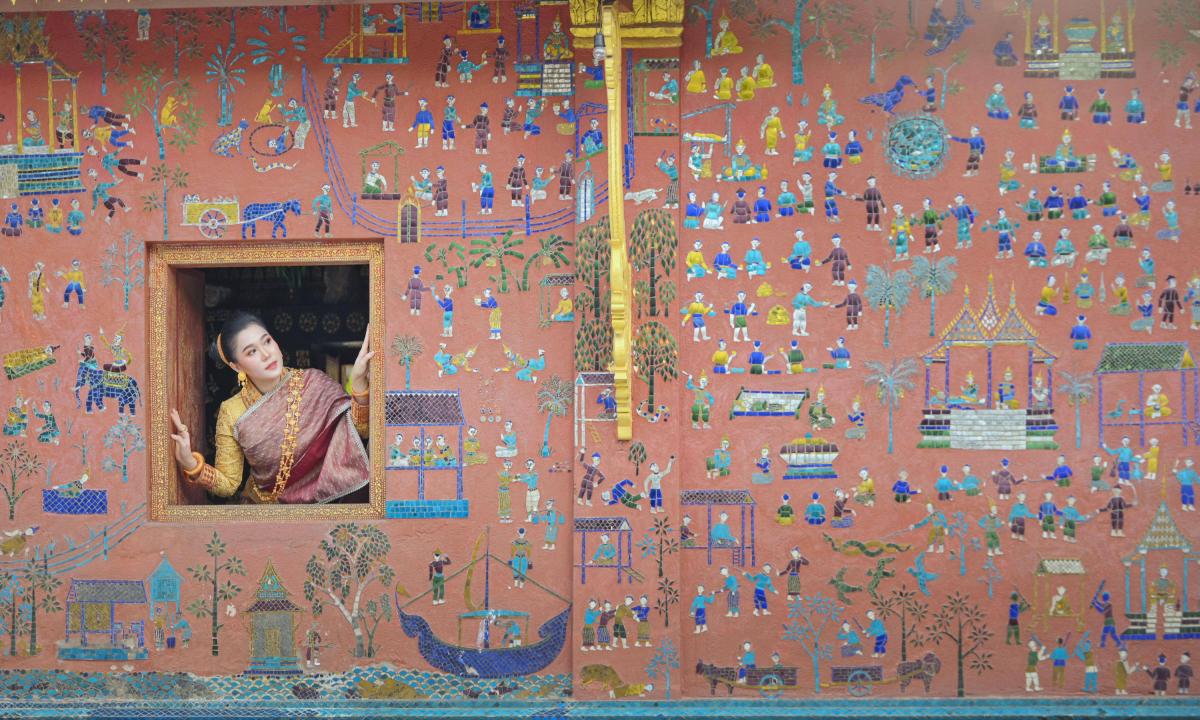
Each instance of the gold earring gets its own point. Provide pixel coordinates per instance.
(242, 379)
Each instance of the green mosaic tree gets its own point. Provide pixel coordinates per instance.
(446, 256)
(668, 595)
(655, 356)
(348, 561)
(593, 262)
(209, 607)
(1079, 388)
(15, 621)
(150, 92)
(123, 265)
(40, 588)
(17, 463)
(167, 179)
(666, 659)
(493, 252)
(637, 456)
(593, 345)
(552, 248)
(933, 278)
(653, 246)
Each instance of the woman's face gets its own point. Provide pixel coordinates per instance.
(257, 355)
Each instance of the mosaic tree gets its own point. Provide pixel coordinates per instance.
(222, 69)
(593, 261)
(653, 245)
(934, 278)
(226, 19)
(907, 606)
(182, 36)
(948, 88)
(1079, 388)
(106, 44)
(880, 18)
(493, 252)
(821, 16)
(151, 94)
(347, 562)
(655, 356)
(888, 290)
(554, 398)
(446, 256)
(17, 463)
(963, 625)
(660, 542)
(167, 179)
(275, 48)
(40, 588)
(408, 348)
(593, 345)
(552, 248)
(891, 382)
(126, 436)
(1172, 15)
(959, 528)
(665, 659)
(808, 617)
(15, 619)
(668, 595)
(636, 455)
(124, 265)
(209, 607)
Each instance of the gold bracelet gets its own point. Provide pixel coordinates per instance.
(362, 398)
(190, 474)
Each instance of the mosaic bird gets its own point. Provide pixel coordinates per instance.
(1118, 411)
(889, 99)
(923, 576)
(842, 587)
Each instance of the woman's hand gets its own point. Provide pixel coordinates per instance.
(182, 440)
(360, 378)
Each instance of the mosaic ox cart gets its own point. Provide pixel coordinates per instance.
(770, 682)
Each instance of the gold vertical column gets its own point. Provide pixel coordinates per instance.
(1055, 27)
(1103, 29)
(1028, 28)
(20, 113)
(620, 278)
(1129, 27)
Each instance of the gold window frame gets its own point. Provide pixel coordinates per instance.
(164, 261)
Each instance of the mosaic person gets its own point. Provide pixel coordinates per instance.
(298, 430)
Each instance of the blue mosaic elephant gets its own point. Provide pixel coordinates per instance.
(103, 384)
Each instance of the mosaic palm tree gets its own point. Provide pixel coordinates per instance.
(493, 252)
(554, 399)
(888, 290)
(408, 347)
(934, 278)
(892, 382)
(1079, 388)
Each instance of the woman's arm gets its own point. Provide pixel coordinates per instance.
(224, 477)
(360, 413)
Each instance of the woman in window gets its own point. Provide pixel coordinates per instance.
(298, 430)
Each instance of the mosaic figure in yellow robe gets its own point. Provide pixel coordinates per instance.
(725, 42)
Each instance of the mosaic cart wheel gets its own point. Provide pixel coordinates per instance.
(770, 687)
(859, 683)
(212, 223)
(916, 145)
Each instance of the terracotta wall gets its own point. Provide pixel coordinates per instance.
(923, 588)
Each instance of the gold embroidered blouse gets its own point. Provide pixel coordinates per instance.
(224, 476)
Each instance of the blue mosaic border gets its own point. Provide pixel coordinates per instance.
(898, 709)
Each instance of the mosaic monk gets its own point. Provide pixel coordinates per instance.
(298, 430)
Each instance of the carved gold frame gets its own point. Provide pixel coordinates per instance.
(163, 260)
